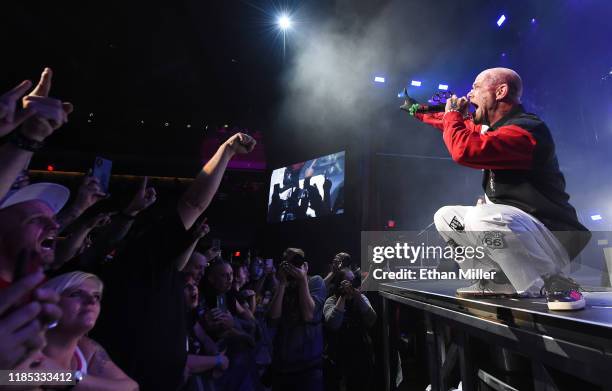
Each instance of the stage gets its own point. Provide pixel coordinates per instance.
(556, 344)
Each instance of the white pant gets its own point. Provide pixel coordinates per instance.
(514, 241)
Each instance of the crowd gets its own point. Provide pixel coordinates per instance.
(124, 304)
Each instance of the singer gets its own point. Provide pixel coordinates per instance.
(529, 229)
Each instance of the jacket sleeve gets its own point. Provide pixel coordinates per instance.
(436, 120)
(508, 147)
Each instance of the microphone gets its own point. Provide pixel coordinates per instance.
(412, 106)
(430, 108)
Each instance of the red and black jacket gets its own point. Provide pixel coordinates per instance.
(520, 167)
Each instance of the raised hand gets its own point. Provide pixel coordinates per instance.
(241, 143)
(89, 193)
(50, 114)
(100, 220)
(144, 197)
(11, 116)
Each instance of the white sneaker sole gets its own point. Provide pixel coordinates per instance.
(566, 305)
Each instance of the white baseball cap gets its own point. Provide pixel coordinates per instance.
(54, 195)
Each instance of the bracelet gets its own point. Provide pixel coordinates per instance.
(25, 143)
(218, 361)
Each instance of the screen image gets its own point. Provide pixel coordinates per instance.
(308, 189)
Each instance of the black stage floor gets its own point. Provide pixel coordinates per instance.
(598, 311)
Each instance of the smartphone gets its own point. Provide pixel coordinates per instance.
(102, 170)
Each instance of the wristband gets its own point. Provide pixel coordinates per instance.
(218, 361)
(25, 143)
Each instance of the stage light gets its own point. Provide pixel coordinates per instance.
(415, 83)
(443, 87)
(391, 224)
(237, 254)
(379, 79)
(284, 22)
(50, 167)
(501, 20)
(533, 21)
(596, 217)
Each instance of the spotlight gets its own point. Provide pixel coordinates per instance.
(284, 22)
(379, 79)
(501, 20)
(596, 217)
(443, 87)
(415, 83)
(533, 21)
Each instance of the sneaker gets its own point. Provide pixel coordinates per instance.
(487, 288)
(563, 293)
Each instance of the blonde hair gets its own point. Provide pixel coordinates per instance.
(67, 281)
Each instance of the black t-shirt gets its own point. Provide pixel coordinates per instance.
(142, 321)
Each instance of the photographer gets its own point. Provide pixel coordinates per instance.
(340, 260)
(348, 316)
(296, 312)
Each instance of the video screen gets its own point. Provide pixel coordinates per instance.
(309, 189)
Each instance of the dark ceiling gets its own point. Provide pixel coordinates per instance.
(130, 67)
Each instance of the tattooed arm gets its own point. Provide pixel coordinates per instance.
(103, 374)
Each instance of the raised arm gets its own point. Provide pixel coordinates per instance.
(40, 117)
(198, 196)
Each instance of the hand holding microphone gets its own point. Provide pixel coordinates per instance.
(460, 105)
(413, 107)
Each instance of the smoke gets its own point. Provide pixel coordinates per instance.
(330, 80)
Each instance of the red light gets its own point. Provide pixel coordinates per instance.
(391, 224)
(237, 254)
(50, 168)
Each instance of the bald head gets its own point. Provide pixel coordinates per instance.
(494, 77)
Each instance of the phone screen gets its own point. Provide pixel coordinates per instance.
(102, 170)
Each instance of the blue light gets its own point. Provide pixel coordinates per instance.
(501, 20)
(443, 87)
(379, 79)
(596, 217)
(533, 21)
(415, 83)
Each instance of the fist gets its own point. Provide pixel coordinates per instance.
(457, 104)
(241, 143)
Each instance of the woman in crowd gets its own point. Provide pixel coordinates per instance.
(67, 344)
(204, 360)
